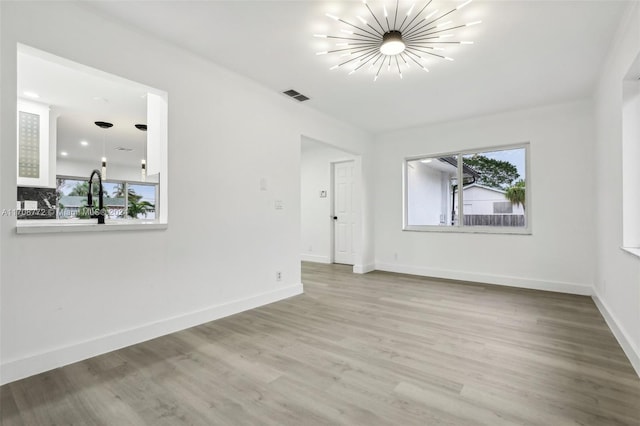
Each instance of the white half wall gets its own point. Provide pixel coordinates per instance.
(316, 214)
(67, 297)
(559, 253)
(617, 284)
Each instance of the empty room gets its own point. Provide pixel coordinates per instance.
(380, 212)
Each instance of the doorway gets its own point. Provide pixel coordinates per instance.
(344, 217)
(330, 181)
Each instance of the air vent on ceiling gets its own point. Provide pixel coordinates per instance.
(122, 148)
(296, 95)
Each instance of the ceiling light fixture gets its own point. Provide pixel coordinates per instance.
(394, 40)
(143, 162)
(103, 161)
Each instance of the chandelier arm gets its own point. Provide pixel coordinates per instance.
(403, 21)
(355, 39)
(374, 29)
(442, 16)
(375, 17)
(418, 63)
(420, 32)
(410, 28)
(424, 51)
(420, 45)
(380, 55)
(412, 53)
(352, 49)
(379, 68)
(366, 36)
(361, 29)
(368, 43)
(366, 60)
(431, 22)
(395, 20)
(398, 65)
(436, 42)
(440, 31)
(428, 39)
(365, 50)
(357, 57)
(416, 16)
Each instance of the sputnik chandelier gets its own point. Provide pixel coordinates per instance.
(394, 41)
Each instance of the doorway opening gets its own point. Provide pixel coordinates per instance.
(330, 204)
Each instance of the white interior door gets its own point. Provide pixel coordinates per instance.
(343, 212)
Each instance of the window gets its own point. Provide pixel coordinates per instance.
(500, 207)
(477, 191)
(121, 200)
(630, 157)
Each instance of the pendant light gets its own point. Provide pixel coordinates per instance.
(143, 162)
(143, 170)
(103, 125)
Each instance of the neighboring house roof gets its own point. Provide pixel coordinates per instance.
(71, 201)
(475, 185)
(466, 169)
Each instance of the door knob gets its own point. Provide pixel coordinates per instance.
(335, 218)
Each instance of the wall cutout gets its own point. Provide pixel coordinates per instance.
(59, 102)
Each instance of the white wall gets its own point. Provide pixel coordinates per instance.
(226, 133)
(316, 215)
(617, 284)
(480, 201)
(427, 195)
(558, 253)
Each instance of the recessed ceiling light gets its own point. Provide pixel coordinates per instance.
(426, 160)
(64, 153)
(84, 143)
(32, 95)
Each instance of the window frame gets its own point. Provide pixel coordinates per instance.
(459, 227)
(156, 186)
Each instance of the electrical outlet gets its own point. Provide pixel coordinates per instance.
(278, 276)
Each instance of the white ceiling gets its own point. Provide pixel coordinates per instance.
(526, 53)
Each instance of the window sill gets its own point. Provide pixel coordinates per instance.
(469, 230)
(634, 251)
(63, 226)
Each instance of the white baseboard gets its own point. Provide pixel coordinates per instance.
(631, 350)
(305, 257)
(24, 367)
(363, 269)
(530, 283)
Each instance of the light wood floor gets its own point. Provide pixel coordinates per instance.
(374, 349)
